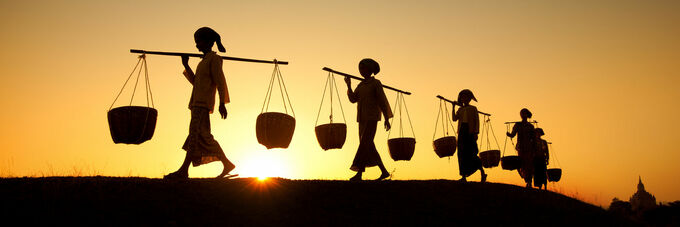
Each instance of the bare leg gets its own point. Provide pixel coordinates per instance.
(227, 166)
(384, 173)
(357, 177)
(182, 172)
(481, 170)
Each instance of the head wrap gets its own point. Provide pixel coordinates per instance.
(468, 93)
(525, 112)
(539, 131)
(210, 35)
(371, 64)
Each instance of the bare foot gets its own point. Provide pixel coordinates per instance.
(383, 176)
(356, 178)
(484, 177)
(176, 175)
(227, 168)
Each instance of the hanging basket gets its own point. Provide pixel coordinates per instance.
(511, 162)
(331, 136)
(401, 149)
(490, 158)
(274, 130)
(133, 124)
(554, 174)
(445, 146)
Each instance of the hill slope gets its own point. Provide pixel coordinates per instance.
(142, 201)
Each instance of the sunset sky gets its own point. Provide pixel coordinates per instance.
(601, 78)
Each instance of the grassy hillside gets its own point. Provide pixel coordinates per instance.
(247, 201)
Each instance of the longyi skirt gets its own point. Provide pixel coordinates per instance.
(200, 144)
(367, 154)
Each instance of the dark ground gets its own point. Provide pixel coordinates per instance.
(282, 202)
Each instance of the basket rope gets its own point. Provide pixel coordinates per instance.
(399, 105)
(149, 94)
(446, 120)
(330, 83)
(276, 75)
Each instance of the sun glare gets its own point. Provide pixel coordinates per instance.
(262, 166)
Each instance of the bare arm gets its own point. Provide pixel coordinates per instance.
(454, 116)
(514, 131)
(350, 94)
(221, 83)
(188, 73)
(384, 105)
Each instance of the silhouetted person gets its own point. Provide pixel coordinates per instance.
(541, 160)
(526, 145)
(468, 131)
(209, 79)
(371, 104)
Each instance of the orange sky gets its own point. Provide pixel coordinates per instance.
(599, 76)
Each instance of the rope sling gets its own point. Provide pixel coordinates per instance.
(275, 129)
(331, 135)
(401, 148)
(134, 124)
(446, 145)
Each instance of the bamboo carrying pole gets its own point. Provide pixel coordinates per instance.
(445, 99)
(201, 55)
(359, 78)
(512, 122)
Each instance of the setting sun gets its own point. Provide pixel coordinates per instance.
(264, 164)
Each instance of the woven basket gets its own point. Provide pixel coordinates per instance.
(274, 130)
(554, 174)
(490, 158)
(445, 146)
(401, 148)
(331, 136)
(511, 162)
(132, 124)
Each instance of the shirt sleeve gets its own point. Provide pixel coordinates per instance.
(352, 96)
(219, 79)
(382, 100)
(474, 119)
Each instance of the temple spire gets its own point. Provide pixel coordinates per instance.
(641, 187)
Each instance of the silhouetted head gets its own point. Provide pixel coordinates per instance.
(539, 132)
(525, 113)
(368, 67)
(465, 96)
(205, 38)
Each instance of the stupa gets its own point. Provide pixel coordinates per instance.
(642, 200)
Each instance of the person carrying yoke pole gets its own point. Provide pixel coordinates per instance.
(371, 103)
(208, 80)
(468, 131)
